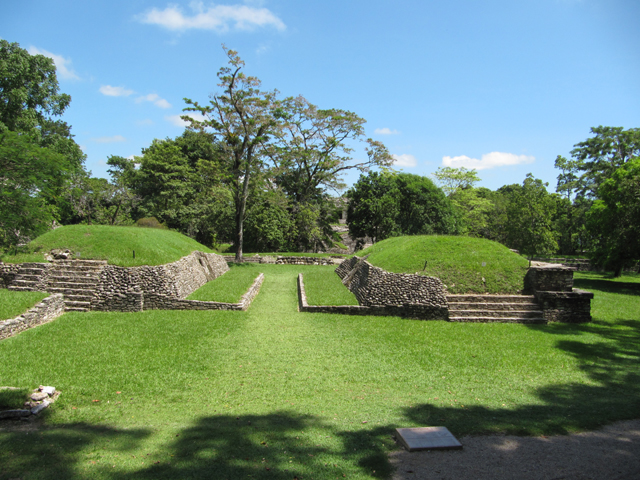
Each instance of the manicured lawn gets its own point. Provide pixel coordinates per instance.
(228, 287)
(464, 264)
(152, 246)
(272, 393)
(324, 287)
(13, 303)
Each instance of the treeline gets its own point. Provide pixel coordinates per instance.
(595, 212)
(257, 171)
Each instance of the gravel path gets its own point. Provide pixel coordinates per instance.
(612, 453)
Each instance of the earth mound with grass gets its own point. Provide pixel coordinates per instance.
(116, 244)
(464, 264)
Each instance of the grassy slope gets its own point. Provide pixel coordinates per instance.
(13, 303)
(183, 394)
(229, 287)
(457, 261)
(152, 246)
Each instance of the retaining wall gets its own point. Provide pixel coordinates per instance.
(45, 311)
(127, 289)
(375, 286)
(566, 307)
(287, 260)
(421, 312)
(8, 272)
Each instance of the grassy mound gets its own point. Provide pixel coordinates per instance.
(229, 287)
(464, 264)
(116, 244)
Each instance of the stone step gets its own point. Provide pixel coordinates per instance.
(20, 288)
(78, 268)
(27, 276)
(80, 263)
(493, 306)
(31, 271)
(71, 291)
(35, 265)
(497, 319)
(496, 313)
(84, 297)
(491, 298)
(76, 309)
(73, 280)
(74, 304)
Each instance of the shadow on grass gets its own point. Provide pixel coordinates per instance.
(604, 285)
(281, 445)
(28, 450)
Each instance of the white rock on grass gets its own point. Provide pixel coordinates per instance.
(48, 390)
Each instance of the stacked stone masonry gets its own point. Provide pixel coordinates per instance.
(128, 289)
(45, 311)
(287, 260)
(413, 296)
(8, 272)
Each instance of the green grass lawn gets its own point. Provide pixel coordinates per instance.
(272, 393)
(229, 287)
(13, 303)
(152, 246)
(323, 287)
(464, 264)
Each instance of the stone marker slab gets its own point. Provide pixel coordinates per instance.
(427, 438)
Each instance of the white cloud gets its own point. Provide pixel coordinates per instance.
(216, 17)
(179, 122)
(114, 139)
(404, 160)
(110, 91)
(488, 160)
(385, 131)
(155, 99)
(63, 65)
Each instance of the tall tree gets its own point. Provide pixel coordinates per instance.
(453, 179)
(29, 91)
(614, 219)
(242, 120)
(530, 209)
(601, 155)
(314, 146)
(385, 204)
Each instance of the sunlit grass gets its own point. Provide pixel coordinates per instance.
(152, 246)
(274, 393)
(323, 287)
(464, 264)
(228, 287)
(13, 303)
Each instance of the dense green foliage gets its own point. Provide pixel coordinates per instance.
(152, 246)
(385, 204)
(38, 156)
(168, 394)
(464, 264)
(13, 303)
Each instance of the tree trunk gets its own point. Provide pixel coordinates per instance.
(618, 271)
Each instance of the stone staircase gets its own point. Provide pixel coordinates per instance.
(31, 277)
(76, 280)
(494, 309)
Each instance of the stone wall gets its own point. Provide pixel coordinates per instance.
(156, 301)
(552, 285)
(45, 311)
(375, 286)
(287, 260)
(550, 277)
(417, 311)
(566, 307)
(8, 272)
(126, 289)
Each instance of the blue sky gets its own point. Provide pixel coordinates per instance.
(501, 86)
